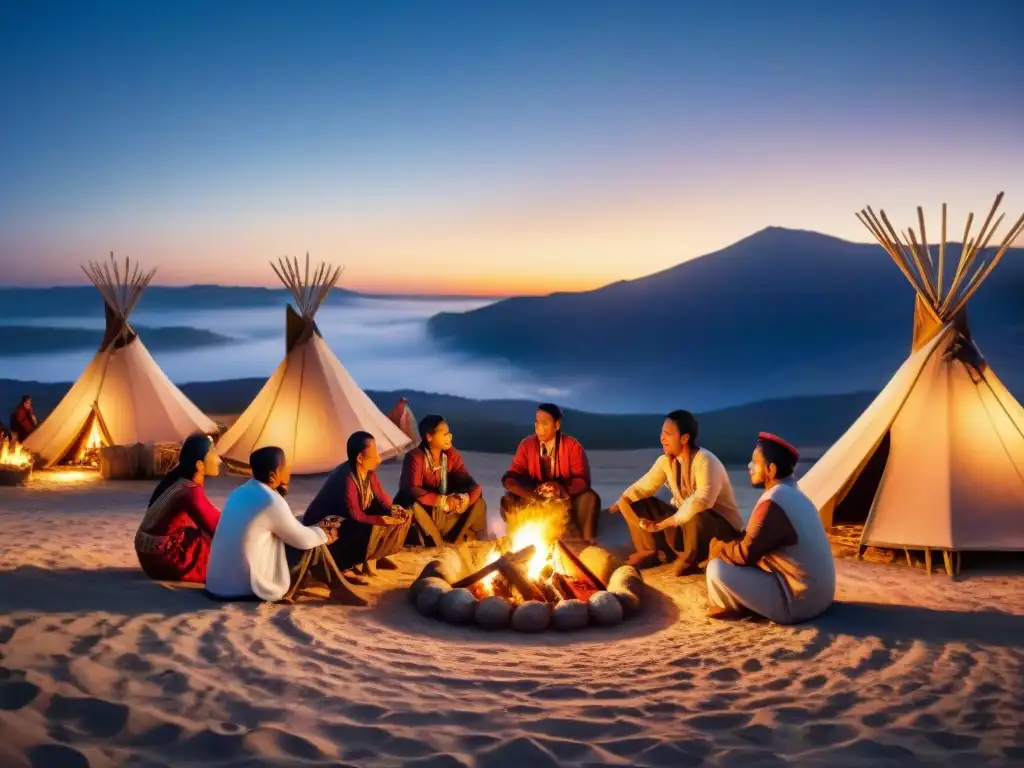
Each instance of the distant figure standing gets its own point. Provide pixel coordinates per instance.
(23, 419)
(783, 567)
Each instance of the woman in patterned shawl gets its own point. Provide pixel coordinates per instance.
(173, 541)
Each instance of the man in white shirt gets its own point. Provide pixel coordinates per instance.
(261, 550)
(703, 503)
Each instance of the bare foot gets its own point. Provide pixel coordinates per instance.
(726, 614)
(386, 564)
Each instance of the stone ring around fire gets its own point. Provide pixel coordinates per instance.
(569, 593)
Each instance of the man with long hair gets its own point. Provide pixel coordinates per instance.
(551, 465)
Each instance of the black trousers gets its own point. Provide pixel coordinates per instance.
(688, 542)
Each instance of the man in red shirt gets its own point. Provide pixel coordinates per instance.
(551, 465)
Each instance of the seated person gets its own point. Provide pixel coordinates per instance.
(261, 550)
(23, 419)
(551, 465)
(372, 527)
(173, 540)
(447, 503)
(703, 504)
(783, 568)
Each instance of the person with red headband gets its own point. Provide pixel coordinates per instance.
(782, 568)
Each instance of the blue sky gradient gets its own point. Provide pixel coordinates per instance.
(487, 147)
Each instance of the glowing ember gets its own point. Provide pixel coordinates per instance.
(13, 454)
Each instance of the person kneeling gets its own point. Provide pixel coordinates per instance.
(372, 527)
(261, 550)
(783, 567)
(446, 502)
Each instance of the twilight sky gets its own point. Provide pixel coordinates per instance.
(488, 148)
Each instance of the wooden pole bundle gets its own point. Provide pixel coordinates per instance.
(914, 258)
(308, 293)
(120, 293)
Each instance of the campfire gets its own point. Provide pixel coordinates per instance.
(87, 453)
(528, 579)
(15, 463)
(533, 563)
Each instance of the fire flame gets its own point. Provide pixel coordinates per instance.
(540, 525)
(14, 455)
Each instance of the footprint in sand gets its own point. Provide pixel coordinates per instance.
(17, 694)
(92, 717)
(51, 755)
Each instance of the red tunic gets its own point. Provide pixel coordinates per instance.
(173, 542)
(422, 483)
(572, 470)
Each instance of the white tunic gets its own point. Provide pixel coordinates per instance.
(247, 556)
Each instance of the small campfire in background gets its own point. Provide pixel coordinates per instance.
(87, 454)
(15, 463)
(528, 579)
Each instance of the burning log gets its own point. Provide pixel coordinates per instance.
(513, 559)
(525, 586)
(588, 574)
(561, 585)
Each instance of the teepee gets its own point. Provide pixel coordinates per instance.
(936, 462)
(310, 405)
(122, 397)
(401, 416)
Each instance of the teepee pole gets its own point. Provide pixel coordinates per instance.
(927, 253)
(1011, 236)
(965, 250)
(868, 219)
(924, 276)
(942, 256)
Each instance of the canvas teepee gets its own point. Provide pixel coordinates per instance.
(122, 397)
(402, 417)
(936, 462)
(310, 405)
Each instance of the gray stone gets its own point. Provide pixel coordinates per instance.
(600, 561)
(458, 606)
(446, 565)
(628, 586)
(430, 595)
(605, 609)
(569, 615)
(493, 613)
(531, 616)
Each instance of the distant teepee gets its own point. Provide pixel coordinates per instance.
(936, 462)
(310, 405)
(402, 417)
(122, 397)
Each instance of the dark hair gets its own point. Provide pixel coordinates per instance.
(428, 424)
(356, 444)
(551, 410)
(784, 461)
(265, 460)
(25, 399)
(687, 424)
(193, 450)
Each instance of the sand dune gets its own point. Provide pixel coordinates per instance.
(99, 666)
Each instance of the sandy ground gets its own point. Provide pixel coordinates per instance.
(99, 666)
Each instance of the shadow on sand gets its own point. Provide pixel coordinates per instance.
(124, 591)
(909, 622)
